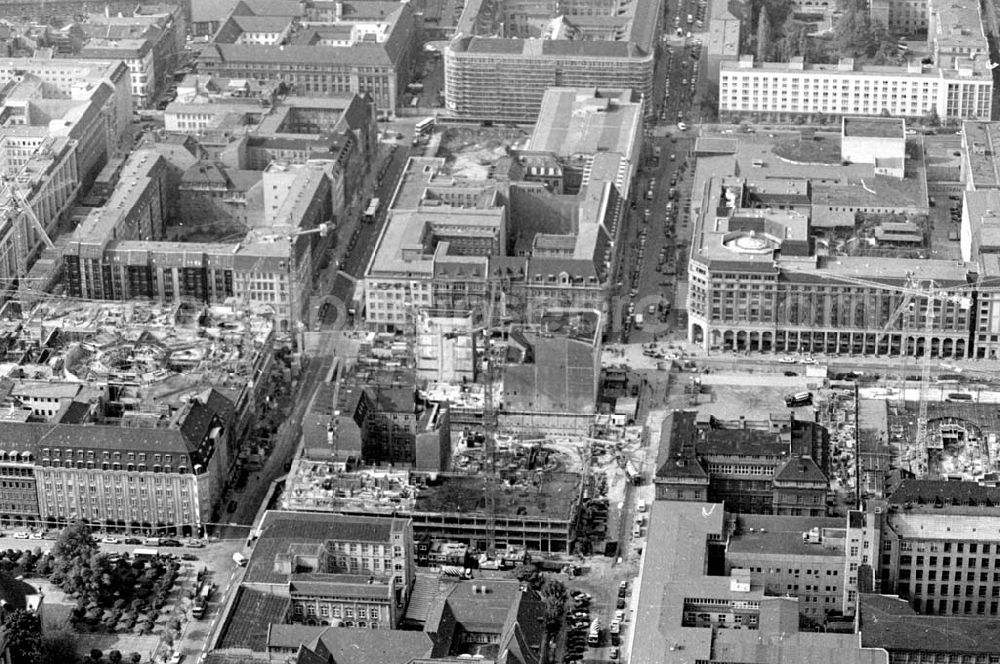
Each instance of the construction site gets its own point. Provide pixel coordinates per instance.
(961, 439)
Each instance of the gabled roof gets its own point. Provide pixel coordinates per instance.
(945, 492)
(801, 469)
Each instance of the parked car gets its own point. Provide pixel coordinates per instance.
(109, 540)
(169, 542)
(21, 536)
(132, 540)
(189, 556)
(232, 506)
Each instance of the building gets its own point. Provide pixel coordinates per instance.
(137, 54)
(504, 55)
(493, 619)
(980, 244)
(368, 51)
(551, 378)
(962, 90)
(48, 182)
(434, 249)
(577, 124)
(758, 281)
(938, 548)
(534, 511)
(18, 490)
(795, 556)
(398, 427)
(118, 253)
(774, 467)
(690, 610)
(105, 84)
(891, 624)
(880, 142)
(320, 562)
(355, 573)
(980, 147)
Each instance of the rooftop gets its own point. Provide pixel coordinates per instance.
(891, 623)
(860, 127)
(981, 153)
(584, 121)
(783, 535)
(550, 495)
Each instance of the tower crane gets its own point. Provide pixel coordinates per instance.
(490, 374)
(14, 204)
(914, 291)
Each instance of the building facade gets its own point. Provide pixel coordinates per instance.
(498, 68)
(959, 92)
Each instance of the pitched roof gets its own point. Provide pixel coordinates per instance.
(350, 645)
(943, 491)
(801, 469)
(279, 530)
(250, 618)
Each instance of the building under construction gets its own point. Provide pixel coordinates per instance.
(536, 494)
(961, 440)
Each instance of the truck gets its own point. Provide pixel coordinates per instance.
(638, 321)
(145, 554)
(240, 559)
(594, 636)
(798, 399)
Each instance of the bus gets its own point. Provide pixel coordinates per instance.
(424, 126)
(371, 211)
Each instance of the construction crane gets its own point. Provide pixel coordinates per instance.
(489, 374)
(914, 291)
(322, 230)
(14, 204)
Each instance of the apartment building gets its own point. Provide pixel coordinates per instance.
(959, 91)
(939, 548)
(322, 563)
(775, 467)
(757, 282)
(369, 51)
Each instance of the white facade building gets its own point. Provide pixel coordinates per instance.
(844, 89)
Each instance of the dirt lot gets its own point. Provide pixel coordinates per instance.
(728, 396)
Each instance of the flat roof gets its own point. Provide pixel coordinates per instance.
(782, 535)
(979, 73)
(553, 498)
(628, 31)
(861, 127)
(585, 121)
(891, 623)
(981, 152)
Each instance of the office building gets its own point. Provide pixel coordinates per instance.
(775, 467)
(962, 90)
(505, 54)
(368, 51)
(400, 428)
(939, 548)
(320, 570)
(891, 624)
(796, 556)
(689, 610)
(117, 252)
(106, 84)
(759, 283)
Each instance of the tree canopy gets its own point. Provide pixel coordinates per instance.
(856, 35)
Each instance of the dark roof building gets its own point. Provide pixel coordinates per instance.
(710, 459)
